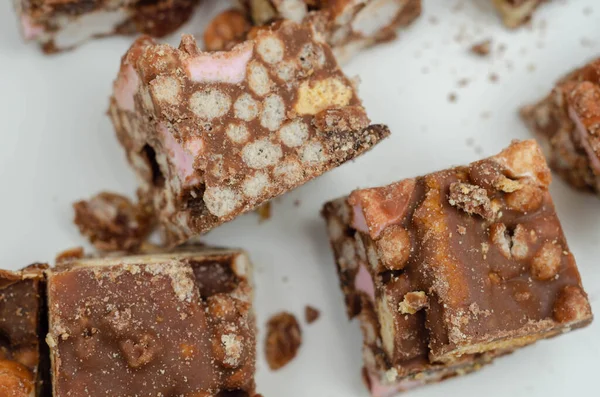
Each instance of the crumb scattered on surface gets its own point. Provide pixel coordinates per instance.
(531, 67)
(311, 314)
(433, 20)
(297, 203)
(69, 255)
(493, 77)
(463, 82)
(284, 338)
(264, 212)
(452, 97)
(112, 222)
(483, 48)
(587, 11)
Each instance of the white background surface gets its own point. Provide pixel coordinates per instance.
(58, 146)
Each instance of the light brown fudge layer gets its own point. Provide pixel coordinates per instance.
(177, 323)
(59, 25)
(568, 122)
(462, 264)
(214, 135)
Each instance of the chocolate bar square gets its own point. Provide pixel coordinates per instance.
(170, 324)
(456, 267)
(214, 135)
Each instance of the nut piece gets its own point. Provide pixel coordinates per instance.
(112, 222)
(228, 347)
(15, 379)
(520, 242)
(284, 338)
(350, 118)
(527, 198)
(413, 302)
(140, 353)
(571, 305)
(515, 246)
(545, 264)
(471, 199)
(394, 247)
(501, 239)
(227, 29)
(311, 314)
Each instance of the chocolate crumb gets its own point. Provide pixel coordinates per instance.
(297, 203)
(69, 255)
(463, 82)
(483, 48)
(413, 302)
(452, 97)
(493, 77)
(284, 338)
(112, 222)
(311, 314)
(471, 199)
(264, 212)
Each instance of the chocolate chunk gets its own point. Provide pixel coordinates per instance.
(112, 222)
(284, 338)
(484, 268)
(215, 135)
(24, 362)
(116, 322)
(567, 120)
(311, 314)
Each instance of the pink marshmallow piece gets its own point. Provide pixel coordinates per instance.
(182, 160)
(225, 67)
(364, 282)
(583, 133)
(125, 88)
(30, 30)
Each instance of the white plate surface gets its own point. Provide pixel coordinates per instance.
(58, 146)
